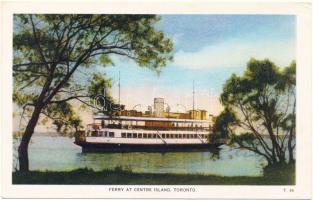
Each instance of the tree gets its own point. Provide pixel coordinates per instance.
(260, 109)
(53, 53)
(223, 125)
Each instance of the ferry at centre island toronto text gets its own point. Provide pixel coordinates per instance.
(154, 130)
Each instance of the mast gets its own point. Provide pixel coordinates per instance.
(119, 88)
(193, 98)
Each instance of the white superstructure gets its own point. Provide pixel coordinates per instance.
(147, 130)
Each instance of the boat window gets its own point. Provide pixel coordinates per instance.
(129, 135)
(149, 135)
(106, 134)
(194, 136)
(144, 135)
(172, 135)
(94, 133)
(139, 135)
(111, 134)
(154, 135)
(188, 135)
(167, 135)
(134, 135)
(179, 135)
(184, 135)
(163, 135)
(123, 135)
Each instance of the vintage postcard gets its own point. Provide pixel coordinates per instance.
(156, 100)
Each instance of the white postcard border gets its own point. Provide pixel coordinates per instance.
(304, 98)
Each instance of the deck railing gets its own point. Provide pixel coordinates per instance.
(158, 128)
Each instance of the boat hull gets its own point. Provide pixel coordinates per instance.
(113, 147)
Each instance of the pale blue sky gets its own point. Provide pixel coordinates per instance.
(209, 48)
(202, 30)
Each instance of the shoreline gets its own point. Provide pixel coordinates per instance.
(281, 176)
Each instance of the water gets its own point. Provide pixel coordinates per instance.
(61, 154)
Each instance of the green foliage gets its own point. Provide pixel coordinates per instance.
(63, 116)
(122, 169)
(288, 77)
(222, 127)
(264, 101)
(98, 83)
(55, 57)
(248, 138)
(260, 73)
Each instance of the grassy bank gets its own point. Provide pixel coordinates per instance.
(273, 176)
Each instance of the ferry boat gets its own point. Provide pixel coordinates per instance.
(156, 130)
(145, 134)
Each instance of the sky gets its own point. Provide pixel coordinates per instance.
(207, 49)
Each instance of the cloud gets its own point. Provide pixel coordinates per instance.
(177, 37)
(236, 54)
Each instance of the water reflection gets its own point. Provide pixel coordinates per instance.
(59, 153)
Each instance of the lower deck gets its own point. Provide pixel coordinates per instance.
(152, 141)
(125, 140)
(111, 147)
(137, 133)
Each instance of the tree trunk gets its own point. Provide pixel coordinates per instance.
(292, 135)
(23, 148)
(290, 149)
(275, 146)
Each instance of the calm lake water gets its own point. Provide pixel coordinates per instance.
(60, 154)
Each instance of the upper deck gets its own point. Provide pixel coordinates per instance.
(160, 119)
(151, 123)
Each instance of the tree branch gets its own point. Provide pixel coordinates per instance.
(40, 51)
(69, 98)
